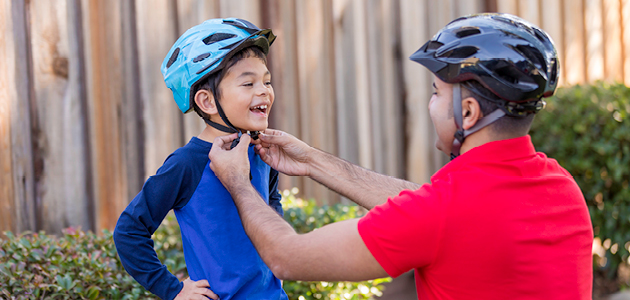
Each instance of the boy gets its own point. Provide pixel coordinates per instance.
(218, 69)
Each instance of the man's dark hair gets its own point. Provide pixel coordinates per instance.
(510, 125)
(212, 82)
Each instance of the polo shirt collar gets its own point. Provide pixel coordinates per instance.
(503, 150)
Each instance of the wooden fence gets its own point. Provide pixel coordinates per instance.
(85, 116)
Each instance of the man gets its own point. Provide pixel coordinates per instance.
(500, 221)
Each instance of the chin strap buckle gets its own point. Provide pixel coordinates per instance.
(235, 142)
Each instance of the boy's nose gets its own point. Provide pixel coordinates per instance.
(262, 90)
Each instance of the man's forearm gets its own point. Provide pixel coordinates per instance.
(365, 187)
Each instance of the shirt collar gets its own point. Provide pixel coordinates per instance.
(496, 151)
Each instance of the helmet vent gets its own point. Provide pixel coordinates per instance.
(217, 37)
(533, 55)
(467, 31)
(461, 52)
(173, 58)
(242, 26)
(541, 36)
(514, 76)
(433, 45)
(201, 57)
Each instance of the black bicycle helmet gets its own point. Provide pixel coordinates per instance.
(512, 58)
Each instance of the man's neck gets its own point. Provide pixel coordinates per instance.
(483, 136)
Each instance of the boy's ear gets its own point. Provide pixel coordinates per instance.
(471, 112)
(205, 101)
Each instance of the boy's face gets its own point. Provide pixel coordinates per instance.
(441, 112)
(247, 94)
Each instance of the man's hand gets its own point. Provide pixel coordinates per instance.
(196, 290)
(230, 166)
(284, 152)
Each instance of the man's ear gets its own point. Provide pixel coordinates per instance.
(205, 101)
(471, 112)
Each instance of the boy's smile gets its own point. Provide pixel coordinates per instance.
(247, 95)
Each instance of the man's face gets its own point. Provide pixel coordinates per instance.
(247, 94)
(441, 112)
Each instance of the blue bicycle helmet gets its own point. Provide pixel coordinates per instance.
(204, 50)
(511, 58)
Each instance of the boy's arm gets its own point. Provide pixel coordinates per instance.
(274, 194)
(139, 221)
(291, 156)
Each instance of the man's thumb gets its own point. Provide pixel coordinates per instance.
(271, 139)
(244, 142)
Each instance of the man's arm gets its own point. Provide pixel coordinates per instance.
(332, 253)
(291, 156)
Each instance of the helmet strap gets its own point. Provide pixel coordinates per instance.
(219, 126)
(461, 134)
(230, 128)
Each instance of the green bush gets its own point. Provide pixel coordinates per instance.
(587, 129)
(77, 265)
(83, 265)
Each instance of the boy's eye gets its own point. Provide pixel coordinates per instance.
(268, 83)
(248, 84)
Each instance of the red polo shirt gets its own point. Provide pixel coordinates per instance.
(499, 222)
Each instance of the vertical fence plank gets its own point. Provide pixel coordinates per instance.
(131, 105)
(612, 42)
(7, 92)
(390, 101)
(466, 7)
(574, 42)
(316, 83)
(15, 80)
(415, 31)
(157, 31)
(594, 35)
(346, 91)
(282, 60)
(508, 6)
(530, 11)
(102, 23)
(625, 20)
(61, 186)
(242, 9)
(552, 23)
(364, 91)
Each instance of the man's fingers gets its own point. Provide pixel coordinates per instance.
(221, 141)
(244, 142)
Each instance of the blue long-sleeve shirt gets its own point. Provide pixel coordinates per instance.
(216, 247)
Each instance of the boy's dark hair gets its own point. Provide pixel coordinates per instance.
(211, 83)
(489, 102)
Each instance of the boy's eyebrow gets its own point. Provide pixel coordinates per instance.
(251, 74)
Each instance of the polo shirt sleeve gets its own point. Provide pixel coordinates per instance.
(404, 233)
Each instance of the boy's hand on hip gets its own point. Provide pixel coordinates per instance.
(230, 166)
(284, 152)
(196, 290)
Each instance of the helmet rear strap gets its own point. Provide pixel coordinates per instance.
(461, 134)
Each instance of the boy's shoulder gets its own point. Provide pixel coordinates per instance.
(191, 155)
